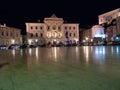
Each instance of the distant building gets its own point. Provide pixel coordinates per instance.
(86, 35)
(98, 33)
(9, 35)
(111, 22)
(53, 30)
(109, 16)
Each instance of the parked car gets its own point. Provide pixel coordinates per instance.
(14, 46)
(3, 47)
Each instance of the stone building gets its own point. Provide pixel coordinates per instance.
(9, 35)
(98, 33)
(53, 30)
(86, 35)
(111, 22)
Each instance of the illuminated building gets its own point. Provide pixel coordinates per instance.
(109, 16)
(111, 22)
(53, 30)
(98, 33)
(9, 35)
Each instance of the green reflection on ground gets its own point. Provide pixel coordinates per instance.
(68, 69)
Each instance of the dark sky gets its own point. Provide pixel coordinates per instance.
(85, 12)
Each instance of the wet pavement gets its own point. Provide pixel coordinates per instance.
(61, 68)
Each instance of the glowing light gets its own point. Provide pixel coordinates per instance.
(86, 38)
(12, 41)
(55, 40)
(91, 40)
(36, 40)
(83, 40)
(54, 34)
(59, 34)
(29, 41)
(49, 34)
(76, 39)
(117, 38)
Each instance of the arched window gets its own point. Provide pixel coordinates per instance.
(48, 27)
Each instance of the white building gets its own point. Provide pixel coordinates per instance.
(109, 16)
(111, 20)
(98, 31)
(52, 30)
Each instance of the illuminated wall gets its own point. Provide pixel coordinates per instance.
(52, 30)
(9, 35)
(109, 16)
(98, 31)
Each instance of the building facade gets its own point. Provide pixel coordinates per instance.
(53, 30)
(9, 35)
(111, 22)
(86, 35)
(109, 16)
(98, 33)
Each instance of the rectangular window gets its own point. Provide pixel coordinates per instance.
(31, 27)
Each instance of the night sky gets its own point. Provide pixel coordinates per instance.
(85, 12)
